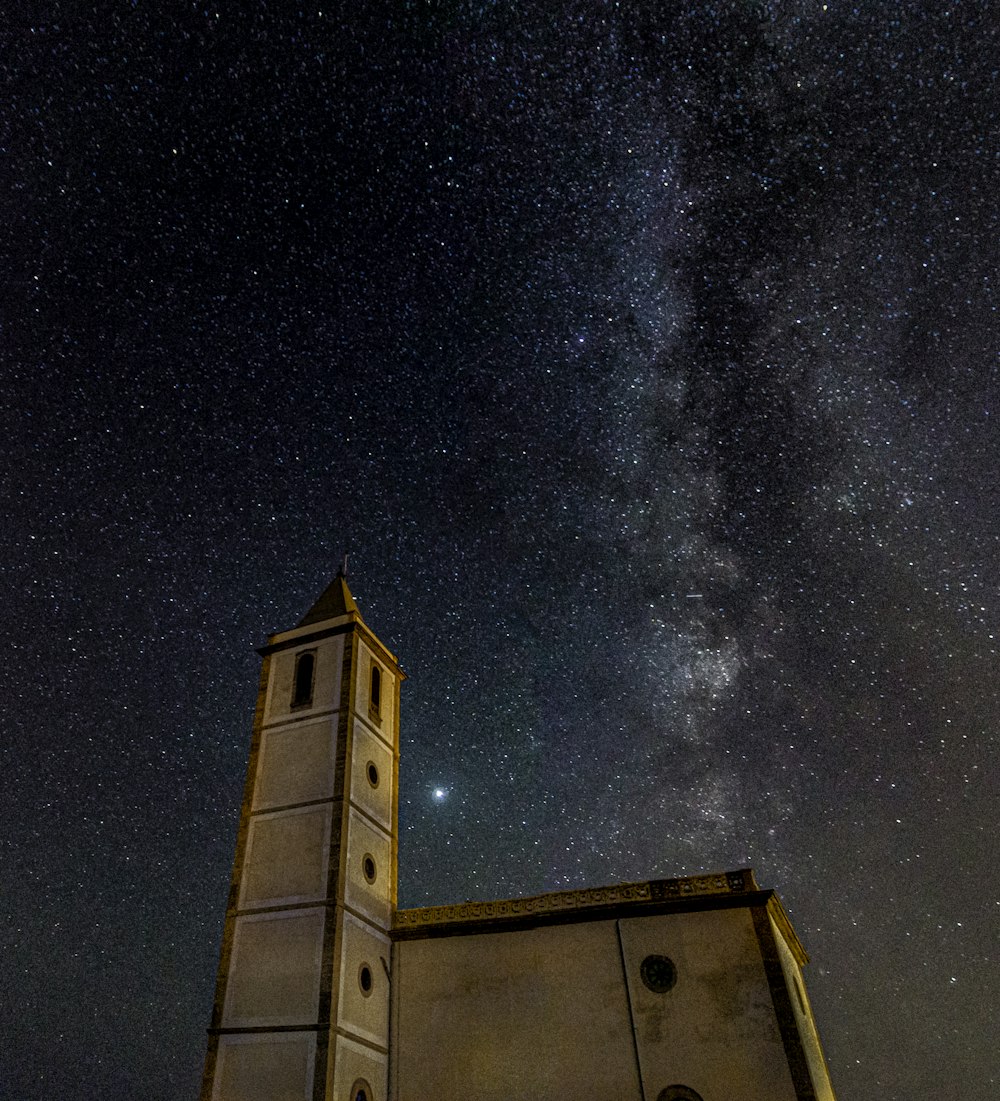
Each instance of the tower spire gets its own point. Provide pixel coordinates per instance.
(335, 600)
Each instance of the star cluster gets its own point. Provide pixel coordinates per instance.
(644, 358)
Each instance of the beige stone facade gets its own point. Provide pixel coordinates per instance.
(566, 978)
(670, 990)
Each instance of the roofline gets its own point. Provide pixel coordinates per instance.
(722, 890)
(288, 640)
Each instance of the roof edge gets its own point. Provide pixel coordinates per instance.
(557, 904)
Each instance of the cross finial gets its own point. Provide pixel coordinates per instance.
(342, 572)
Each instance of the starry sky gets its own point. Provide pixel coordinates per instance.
(644, 358)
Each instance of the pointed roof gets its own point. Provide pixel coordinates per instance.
(334, 601)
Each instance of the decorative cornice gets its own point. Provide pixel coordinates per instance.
(560, 902)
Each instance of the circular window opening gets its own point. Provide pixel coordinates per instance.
(659, 975)
(368, 867)
(678, 1093)
(372, 773)
(365, 979)
(361, 1091)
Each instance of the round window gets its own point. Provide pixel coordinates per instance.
(365, 979)
(372, 773)
(658, 974)
(368, 867)
(678, 1093)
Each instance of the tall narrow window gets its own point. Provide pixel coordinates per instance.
(375, 697)
(305, 665)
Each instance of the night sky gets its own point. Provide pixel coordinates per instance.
(644, 358)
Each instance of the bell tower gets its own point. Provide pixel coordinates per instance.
(301, 1008)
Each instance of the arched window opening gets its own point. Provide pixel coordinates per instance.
(305, 665)
(361, 1091)
(678, 1093)
(375, 696)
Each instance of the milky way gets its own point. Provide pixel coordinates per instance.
(644, 359)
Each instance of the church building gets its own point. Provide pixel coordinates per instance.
(684, 989)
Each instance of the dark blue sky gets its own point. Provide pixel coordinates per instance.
(643, 356)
